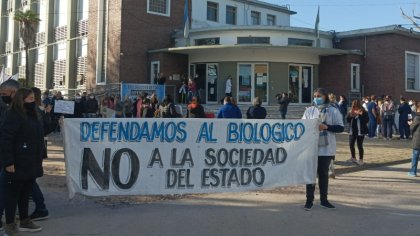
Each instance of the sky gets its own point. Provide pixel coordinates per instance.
(343, 15)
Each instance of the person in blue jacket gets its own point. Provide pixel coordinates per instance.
(229, 110)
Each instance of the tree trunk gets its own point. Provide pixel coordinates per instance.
(27, 67)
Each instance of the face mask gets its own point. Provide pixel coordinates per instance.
(91, 97)
(29, 105)
(78, 97)
(318, 101)
(6, 99)
(410, 103)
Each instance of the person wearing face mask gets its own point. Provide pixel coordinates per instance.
(331, 122)
(195, 110)
(7, 91)
(22, 147)
(405, 114)
(78, 106)
(92, 106)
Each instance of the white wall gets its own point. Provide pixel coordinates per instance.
(243, 12)
(278, 37)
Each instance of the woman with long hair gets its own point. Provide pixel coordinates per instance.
(358, 119)
(22, 147)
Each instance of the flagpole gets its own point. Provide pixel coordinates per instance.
(317, 39)
(186, 23)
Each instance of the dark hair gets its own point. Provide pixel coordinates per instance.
(228, 99)
(356, 104)
(323, 92)
(37, 95)
(17, 104)
(10, 83)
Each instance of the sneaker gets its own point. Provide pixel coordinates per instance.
(360, 162)
(352, 160)
(411, 174)
(2, 232)
(327, 205)
(28, 226)
(39, 215)
(11, 230)
(308, 205)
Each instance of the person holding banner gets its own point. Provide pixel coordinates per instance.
(22, 147)
(331, 122)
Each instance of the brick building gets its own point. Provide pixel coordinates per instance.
(388, 64)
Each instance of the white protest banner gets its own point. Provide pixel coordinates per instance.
(64, 107)
(179, 156)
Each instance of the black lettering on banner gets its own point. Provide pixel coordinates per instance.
(210, 158)
(134, 168)
(178, 178)
(185, 157)
(90, 165)
(155, 158)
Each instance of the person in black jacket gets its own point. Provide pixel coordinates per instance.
(195, 110)
(283, 101)
(8, 90)
(22, 147)
(91, 107)
(358, 119)
(41, 212)
(256, 111)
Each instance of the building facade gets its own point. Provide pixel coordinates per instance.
(95, 45)
(389, 64)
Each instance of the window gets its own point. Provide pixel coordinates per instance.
(61, 12)
(154, 71)
(253, 40)
(271, 20)
(159, 7)
(355, 77)
(82, 46)
(230, 15)
(207, 41)
(412, 68)
(300, 42)
(255, 18)
(212, 11)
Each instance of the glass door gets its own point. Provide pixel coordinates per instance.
(261, 82)
(252, 82)
(300, 83)
(245, 83)
(212, 74)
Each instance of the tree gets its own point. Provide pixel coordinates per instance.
(414, 19)
(28, 21)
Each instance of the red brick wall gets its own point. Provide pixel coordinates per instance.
(383, 67)
(142, 32)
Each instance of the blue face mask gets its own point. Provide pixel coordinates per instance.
(318, 101)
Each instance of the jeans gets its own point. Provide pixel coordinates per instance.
(17, 195)
(387, 130)
(404, 129)
(2, 193)
(322, 170)
(38, 198)
(372, 127)
(414, 161)
(352, 140)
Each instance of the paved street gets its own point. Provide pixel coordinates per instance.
(376, 201)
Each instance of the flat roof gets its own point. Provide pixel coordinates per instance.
(297, 49)
(396, 29)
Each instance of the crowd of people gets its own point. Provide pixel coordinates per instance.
(24, 109)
